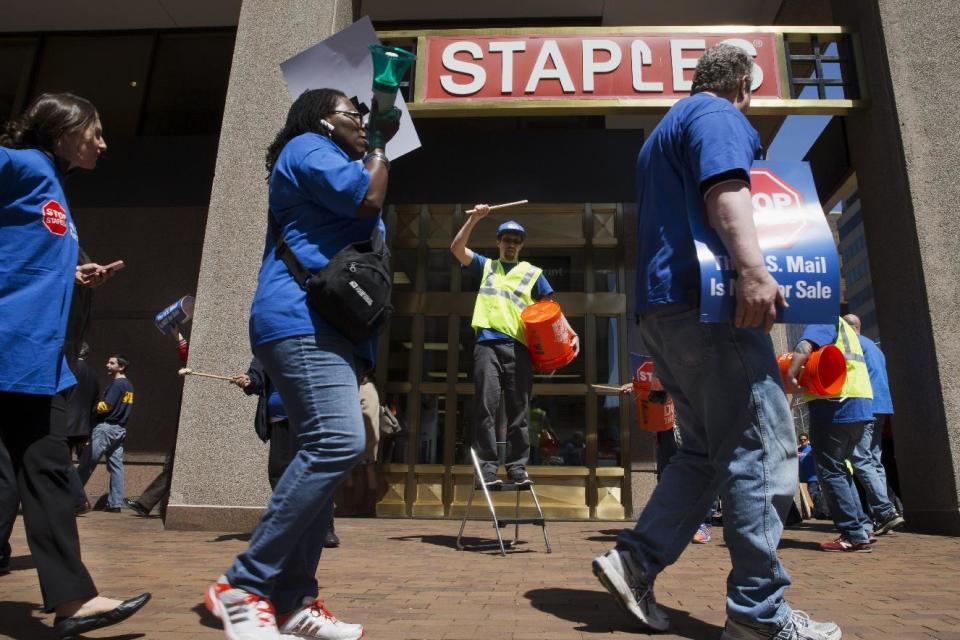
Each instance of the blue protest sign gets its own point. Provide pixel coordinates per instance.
(797, 245)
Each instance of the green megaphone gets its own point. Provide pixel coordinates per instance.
(390, 65)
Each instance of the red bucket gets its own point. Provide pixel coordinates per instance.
(549, 336)
(823, 373)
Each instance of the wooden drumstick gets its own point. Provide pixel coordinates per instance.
(500, 206)
(187, 371)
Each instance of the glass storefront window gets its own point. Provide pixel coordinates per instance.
(401, 345)
(440, 263)
(404, 262)
(463, 432)
(608, 431)
(558, 431)
(605, 271)
(435, 350)
(608, 350)
(465, 351)
(394, 447)
(433, 411)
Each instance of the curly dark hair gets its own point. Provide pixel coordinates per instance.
(304, 116)
(48, 118)
(720, 69)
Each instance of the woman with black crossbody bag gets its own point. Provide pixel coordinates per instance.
(314, 333)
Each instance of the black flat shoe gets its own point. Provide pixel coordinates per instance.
(74, 625)
(112, 509)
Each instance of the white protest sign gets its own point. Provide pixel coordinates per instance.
(343, 62)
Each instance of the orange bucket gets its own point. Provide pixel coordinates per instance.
(549, 336)
(823, 373)
(655, 410)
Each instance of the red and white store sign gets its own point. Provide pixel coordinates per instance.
(570, 66)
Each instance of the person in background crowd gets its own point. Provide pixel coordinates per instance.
(158, 491)
(81, 407)
(738, 436)
(867, 467)
(328, 180)
(807, 469)
(836, 427)
(56, 134)
(106, 439)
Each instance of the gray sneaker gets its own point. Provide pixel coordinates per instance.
(630, 589)
(798, 627)
(893, 521)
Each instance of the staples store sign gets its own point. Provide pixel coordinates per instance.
(571, 66)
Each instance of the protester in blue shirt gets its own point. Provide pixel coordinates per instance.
(325, 193)
(738, 440)
(865, 458)
(38, 241)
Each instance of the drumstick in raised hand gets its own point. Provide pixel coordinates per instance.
(500, 206)
(187, 371)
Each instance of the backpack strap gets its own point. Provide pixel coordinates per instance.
(285, 253)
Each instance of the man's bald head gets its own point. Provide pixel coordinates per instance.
(853, 321)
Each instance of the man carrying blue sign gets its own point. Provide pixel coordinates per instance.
(737, 430)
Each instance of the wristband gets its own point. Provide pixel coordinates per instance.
(379, 156)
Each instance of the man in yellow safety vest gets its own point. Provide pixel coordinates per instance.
(501, 362)
(836, 427)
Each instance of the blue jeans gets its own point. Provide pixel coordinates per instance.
(737, 441)
(317, 380)
(832, 445)
(106, 440)
(869, 470)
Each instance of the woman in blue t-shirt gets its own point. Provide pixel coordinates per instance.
(38, 241)
(328, 181)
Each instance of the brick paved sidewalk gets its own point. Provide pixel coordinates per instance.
(404, 579)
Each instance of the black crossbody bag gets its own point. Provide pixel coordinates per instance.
(352, 293)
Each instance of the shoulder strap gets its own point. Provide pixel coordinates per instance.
(285, 253)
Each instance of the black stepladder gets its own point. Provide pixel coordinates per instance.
(516, 521)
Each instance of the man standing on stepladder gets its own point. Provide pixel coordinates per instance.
(501, 362)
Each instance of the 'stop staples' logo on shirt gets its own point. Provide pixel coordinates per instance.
(54, 218)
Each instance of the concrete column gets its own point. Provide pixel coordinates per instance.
(905, 148)
(220, 475)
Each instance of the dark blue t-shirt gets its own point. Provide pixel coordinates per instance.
(315, 191)
(833, 411)
(807, 466)
(119, 400)
(38, 245)
(702, 138)
(877, 367)
(541, 289)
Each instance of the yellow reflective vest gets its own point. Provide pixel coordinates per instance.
(857, 384)
(503, 296)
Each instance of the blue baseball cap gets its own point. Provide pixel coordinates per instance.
(511, 225)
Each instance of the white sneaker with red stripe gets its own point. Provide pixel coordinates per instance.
(245, 615)
(314, 621)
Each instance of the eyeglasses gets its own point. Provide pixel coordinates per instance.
(353, 115)
(511, 239)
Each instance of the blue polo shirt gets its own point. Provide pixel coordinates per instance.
(541, 289)
(701, 139)
(38, 244)
(877, 367)
(834, 411)
(315, 191)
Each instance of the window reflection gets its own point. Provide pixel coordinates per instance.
(435, 350)
(608, 350)
(558, 431)
(401, 344)
(608, 431)
(432, 417)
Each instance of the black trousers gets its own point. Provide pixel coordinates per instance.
(282, 449)
(39, 460)
(158, 490)
(502, 371)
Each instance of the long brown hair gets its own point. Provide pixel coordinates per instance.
(48, 118)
